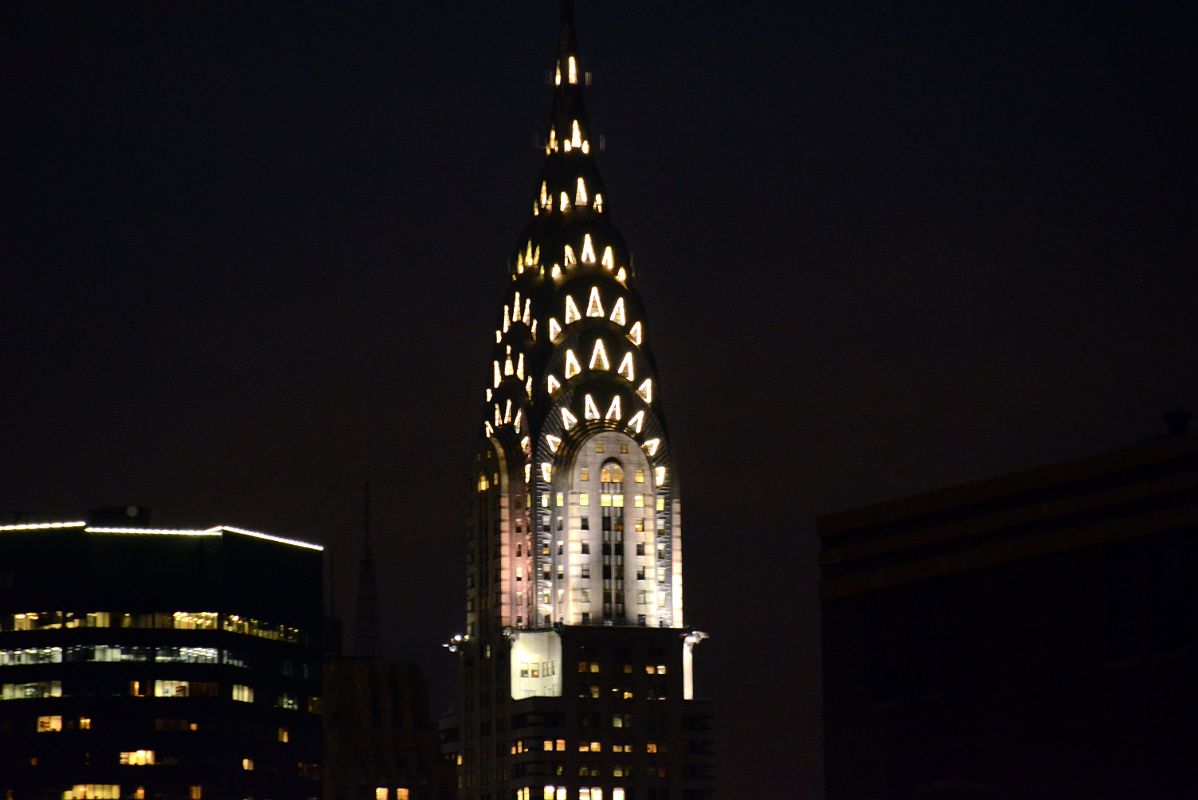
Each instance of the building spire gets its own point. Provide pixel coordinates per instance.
(366, 627)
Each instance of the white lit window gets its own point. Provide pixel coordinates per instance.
(599, 202)
(568, 419)
(572, 314)
(555, 330)
(645, 390)
(659, 475)
(609, 258)
(625, 369)
(552, 384)
(588, 254)
(634, 333)
(573, 73)
(580, 195)
(637, 420)
(572, 365)
(613, 411)
(590, 410)
(651, 446)
(599, 357)
(594, 304)
(554, 442)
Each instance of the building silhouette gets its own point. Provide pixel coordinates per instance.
(577, 677)
(1033, 635)
(141, 662)
(380, 740)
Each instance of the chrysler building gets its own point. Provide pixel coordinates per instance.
(577, 671)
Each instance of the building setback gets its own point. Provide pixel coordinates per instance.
(138, 662)
(1034, 635)
(577, 680)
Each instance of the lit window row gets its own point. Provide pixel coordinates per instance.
(116, 653)
(30, 691)
(165, 620)
(93, 791)
(595, 310)
(562, 793)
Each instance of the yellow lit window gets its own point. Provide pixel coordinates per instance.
(49, 724)
(401, 793)
(85, 723)
(284, 735)
(139, 793)
(584, 499)
(561, 499)
(242, 693)
(659, 475)
(380, 793)
(247, 764)
(137, 758)
(650, 747)
(196, 793)
(93, 791)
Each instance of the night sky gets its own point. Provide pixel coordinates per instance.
(252, 255)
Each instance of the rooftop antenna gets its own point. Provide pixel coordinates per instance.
(366, 628)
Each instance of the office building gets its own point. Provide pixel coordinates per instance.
(1031, 635)
(143, 662)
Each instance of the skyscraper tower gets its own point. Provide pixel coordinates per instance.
(577, 679)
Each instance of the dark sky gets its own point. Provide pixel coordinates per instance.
(251, 256)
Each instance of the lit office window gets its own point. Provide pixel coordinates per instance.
(137, 758)
(49, 724)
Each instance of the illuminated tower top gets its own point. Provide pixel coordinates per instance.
(577, 520)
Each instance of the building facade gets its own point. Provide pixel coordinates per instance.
(576, 660)
(1033, 635)
(141, 662)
